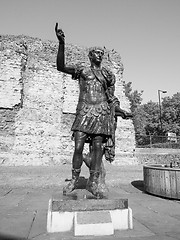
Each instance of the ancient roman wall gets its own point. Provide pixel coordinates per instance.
(37, 103)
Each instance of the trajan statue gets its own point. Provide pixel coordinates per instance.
(95, 120)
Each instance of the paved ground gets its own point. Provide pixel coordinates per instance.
(25, 192)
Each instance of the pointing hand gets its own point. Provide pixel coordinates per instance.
(60, 34)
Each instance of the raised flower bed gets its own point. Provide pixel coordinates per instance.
(162, 180)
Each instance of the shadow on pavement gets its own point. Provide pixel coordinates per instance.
(10, 237)
(138, 184)
(81, 182)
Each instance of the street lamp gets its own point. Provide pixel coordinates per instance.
(160, 118)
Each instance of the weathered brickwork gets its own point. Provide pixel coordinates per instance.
(37, 103)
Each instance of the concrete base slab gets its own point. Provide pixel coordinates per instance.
(59, 221)
(93, 223)
(122, 219)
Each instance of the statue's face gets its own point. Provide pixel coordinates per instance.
(97, 55)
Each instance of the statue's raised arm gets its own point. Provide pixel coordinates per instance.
(60, 56)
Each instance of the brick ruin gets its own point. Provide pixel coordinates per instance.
(37, 103)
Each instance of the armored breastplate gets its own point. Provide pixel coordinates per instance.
(91, 89)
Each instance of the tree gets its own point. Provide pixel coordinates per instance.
(171, 114)
(146, 117)
(152, 118)
(139, 119)
(133, 96)
(170, 117)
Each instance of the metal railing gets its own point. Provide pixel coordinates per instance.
(157, 141)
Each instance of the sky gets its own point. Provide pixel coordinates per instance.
(146, 33)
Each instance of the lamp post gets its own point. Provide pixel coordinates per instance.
(159, 97)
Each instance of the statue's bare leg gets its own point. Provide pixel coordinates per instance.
(96, 182)
(79, 138)
(87, 159)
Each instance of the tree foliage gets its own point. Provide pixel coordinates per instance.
(171, 113)
(170, 116)
(152, 118)
(146, 117)
(135, 99)
(133, 96)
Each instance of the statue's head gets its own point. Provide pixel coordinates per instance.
(96, 54)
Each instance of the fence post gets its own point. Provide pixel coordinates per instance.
(150, 139)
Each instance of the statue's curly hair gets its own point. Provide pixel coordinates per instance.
(92, 49)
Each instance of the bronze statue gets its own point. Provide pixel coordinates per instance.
(95, 117)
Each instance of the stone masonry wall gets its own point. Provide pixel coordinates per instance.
(37, 103)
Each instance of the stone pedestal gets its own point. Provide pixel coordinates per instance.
(88, 216)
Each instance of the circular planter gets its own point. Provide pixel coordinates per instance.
(162, 181)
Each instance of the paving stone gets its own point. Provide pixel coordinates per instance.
(17, 225)
(39, 224)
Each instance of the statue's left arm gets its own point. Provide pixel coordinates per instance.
(113, 99)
